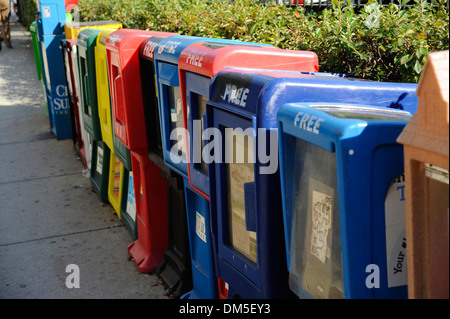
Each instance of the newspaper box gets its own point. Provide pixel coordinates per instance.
(73, 29)
(87, 40)
(166, 59)
(175, 270)
(50, 25)
(116, 168)
(122, 50)
(199, 63)
(425, 140)
(245, 194)
(344, 195)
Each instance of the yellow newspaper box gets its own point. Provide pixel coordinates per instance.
(73, 29)
(116, 168)
(426, 143)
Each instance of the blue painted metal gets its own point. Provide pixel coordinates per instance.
(262, 94)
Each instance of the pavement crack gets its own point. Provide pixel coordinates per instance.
(28, 141)
(62, 235)
(38, 178)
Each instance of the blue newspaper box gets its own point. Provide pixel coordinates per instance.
(66, 48)
(170, 97)
(198, 64)
(50, 25)
(245, 193)
(52, 13)
(99, 172)
(147, 52)
(166, 54)
(343, 197)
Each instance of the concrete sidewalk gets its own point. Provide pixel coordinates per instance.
(49, 216)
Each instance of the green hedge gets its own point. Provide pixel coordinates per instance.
(29, 9)
(383, 43)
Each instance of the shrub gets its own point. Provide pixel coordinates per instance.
(380, 43)
(28, 14)
(384, 43)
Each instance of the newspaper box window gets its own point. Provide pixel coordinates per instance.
(170, 95)
(85, 142)
(175, 270)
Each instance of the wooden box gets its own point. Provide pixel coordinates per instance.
(426, 144)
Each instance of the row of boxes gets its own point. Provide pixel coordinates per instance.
(243, 172)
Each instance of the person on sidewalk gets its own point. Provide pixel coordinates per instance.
(5, 12)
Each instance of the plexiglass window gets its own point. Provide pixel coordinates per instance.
(151, 110)
(176, 116)
(315, 256)
(44, 58)
(239, 173)
(84, 77)
(436, 189)
(67, 69)
(118, 94)
(200, 111)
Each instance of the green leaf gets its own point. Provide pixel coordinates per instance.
(404, 2)
(418, 67)
(408, 32)
(423, 51)
(405, 59)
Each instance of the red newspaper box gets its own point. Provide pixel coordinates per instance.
(122, 49)
(125, 80)
(200, 62)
